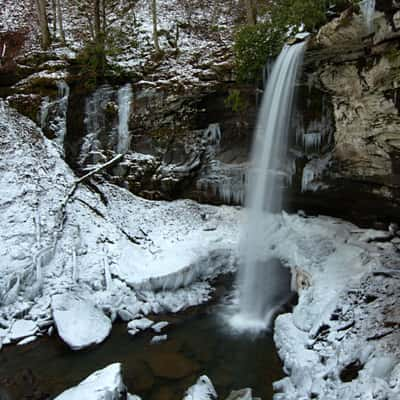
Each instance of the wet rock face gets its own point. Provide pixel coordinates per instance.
(183, 144)
(359, 76)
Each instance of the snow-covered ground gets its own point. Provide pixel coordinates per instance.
(341, 341)
(104, 249)
(195, 36)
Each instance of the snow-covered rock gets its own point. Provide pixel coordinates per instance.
(79, 323)
(22, 329)
(105, 384)
(242, 394)
(339, 341)
(27, 340)
(203, 389)
(140, 324)
(159, 326)
(158, 339)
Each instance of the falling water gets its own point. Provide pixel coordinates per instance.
(124, 108)
(261, 277)
(368, 8)
(61, 120)
(53, 114)
(95, 125)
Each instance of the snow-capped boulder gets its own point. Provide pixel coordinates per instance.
(159, 326)
(158, 339)
(105, 384)
(242, 394)
(79, 323)
(140, 324)
(22, 329)
(203, 389)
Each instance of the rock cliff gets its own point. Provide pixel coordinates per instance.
(357, 75)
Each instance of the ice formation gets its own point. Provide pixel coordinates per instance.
(317, 134)
(213, 134)
(368, 10)
(95, 123)
(124, 109)
(224, 181)
(313, 172)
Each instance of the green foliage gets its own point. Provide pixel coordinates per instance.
(235, 102)
(281, 19)
(253, 45)
(92, 62)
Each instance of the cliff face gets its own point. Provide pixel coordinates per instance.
(358, 75)
(189, 140)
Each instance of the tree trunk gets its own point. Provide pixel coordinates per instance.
(251, 13)
(54, 11)
(99, 38)
(155, 28)
(103, 16)
(60, 22)
(43, 24)
(97, 19)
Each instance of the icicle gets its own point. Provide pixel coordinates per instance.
(368, 9)
(75, 272)
(124, 109)
(44, 111)
(213, 134)
(312, 141)
(95, 122)
(313, 171)
(61, 116)
(107, 275)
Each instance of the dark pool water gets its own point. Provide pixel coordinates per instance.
(199, 342)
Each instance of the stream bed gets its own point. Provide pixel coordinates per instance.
(200, 341)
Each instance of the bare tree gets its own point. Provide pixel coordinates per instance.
(43, 24)
(54, 19)
(60, 21)
(155, 27)
(99, 34)
(251, 12)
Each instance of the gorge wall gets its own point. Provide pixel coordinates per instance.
(357, 76)
(190, 137)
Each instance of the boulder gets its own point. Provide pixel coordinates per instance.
(22, 329)
(79, 323)
(203, 389)
(105, 384)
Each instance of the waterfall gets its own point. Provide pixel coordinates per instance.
(368, 8)
(61, 119)
(260, 276)
(124, 108)
(53, 114)
(95, 125)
